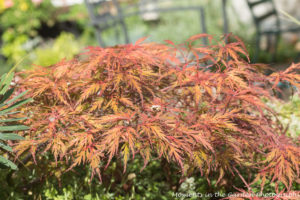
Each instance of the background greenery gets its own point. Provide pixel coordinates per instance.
(36, 32)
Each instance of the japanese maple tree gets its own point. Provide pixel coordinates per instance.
(199, 106)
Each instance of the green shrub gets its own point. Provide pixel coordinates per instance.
(20, 24)
(289, 114)
(64, 47)
(7, 126)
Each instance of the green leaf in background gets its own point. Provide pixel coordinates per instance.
(7, 125)
(6, 82)
(15, 98)
(14, 106)
(7, 163)
(6, 96)
(5, 147)
(12, 120)
(10, 136)
(13, 128)
(290, 17)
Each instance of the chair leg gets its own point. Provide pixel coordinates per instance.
(277, 40)
(203, 24)
(117, 35)
(122, 21)
(99, 38)
(257, 52)
(124, 27)
(269, 42)
(225, 17)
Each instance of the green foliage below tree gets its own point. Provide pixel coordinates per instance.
(7, 125)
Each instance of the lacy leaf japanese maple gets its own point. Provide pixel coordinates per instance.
(198, 106)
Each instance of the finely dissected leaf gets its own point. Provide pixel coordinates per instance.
(97, 105)
(92, 89)
(283, 163)
(126, 101)
(125, 152)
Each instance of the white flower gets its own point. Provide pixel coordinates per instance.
(51, 119)
(155, 107)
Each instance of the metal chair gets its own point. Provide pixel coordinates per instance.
(107, 14)
(104, 15)
(260, 21)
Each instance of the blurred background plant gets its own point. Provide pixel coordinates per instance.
(39, 31)
(30, 28)
(289, 114)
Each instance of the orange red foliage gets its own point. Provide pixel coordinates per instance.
(199, 106)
